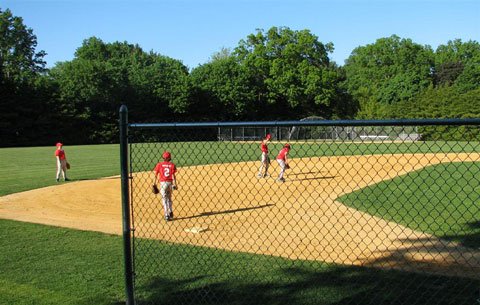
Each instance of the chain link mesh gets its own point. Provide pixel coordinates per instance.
(366, 219)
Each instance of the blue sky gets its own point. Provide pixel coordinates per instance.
(191, 31)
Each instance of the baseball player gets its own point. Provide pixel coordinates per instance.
(61, 162)
(265, 158)
(165, 173)
(282, 160)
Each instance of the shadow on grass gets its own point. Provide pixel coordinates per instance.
(471, 240)
(474, 224)
(466, 240)
(297, 285)
(431, 255)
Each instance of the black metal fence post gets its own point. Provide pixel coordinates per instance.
(127, 248)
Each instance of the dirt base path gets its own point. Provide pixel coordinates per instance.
(299, 219)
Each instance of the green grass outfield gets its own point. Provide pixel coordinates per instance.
(47, 265)
(24, 169)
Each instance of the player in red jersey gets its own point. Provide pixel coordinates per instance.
(61, 159)
(282, 160)
(165, 173)
(265, 158)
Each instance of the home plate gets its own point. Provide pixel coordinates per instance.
(196, 230)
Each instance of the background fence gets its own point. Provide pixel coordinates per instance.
(359, 220)
(309, 133)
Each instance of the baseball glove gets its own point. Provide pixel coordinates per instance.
(68, 165)
(155, 189)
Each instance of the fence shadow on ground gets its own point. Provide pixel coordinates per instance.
(436, 256)
(337, 286)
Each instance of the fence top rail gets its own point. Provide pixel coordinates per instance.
(399, 122)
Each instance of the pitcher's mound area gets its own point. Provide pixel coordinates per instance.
(226, 206)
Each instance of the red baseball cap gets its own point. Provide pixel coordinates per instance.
(268, 136)
(59, 144)
(166, 155)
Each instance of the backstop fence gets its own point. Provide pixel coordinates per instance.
(312, 133)
(375, 219)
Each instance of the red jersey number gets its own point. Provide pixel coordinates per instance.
(165, 171)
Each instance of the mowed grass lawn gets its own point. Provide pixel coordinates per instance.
(45, 265)
(29, 168)
(48, 265)
(443, 200)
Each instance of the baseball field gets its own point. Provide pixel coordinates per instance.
(329, 220)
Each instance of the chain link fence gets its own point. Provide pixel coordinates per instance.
(331, 133)
(358, 220)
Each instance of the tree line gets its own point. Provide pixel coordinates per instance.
(274, 74)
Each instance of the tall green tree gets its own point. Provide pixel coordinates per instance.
(24, 91)
(19, 61)
(388, 71)
(443, 102)
(221, 90)
(290, 70)
(458, 63)
(102, 76)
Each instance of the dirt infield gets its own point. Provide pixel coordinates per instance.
(299, 219)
